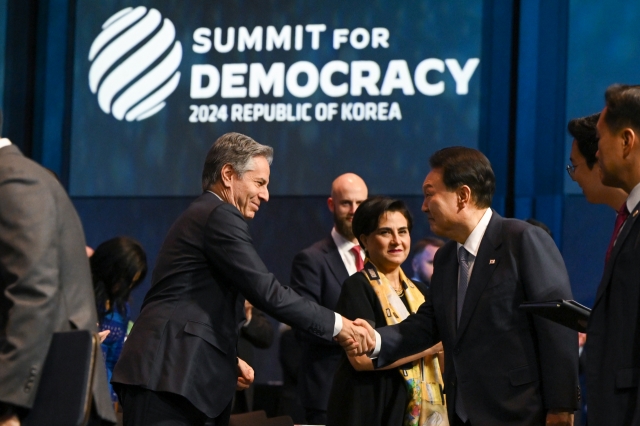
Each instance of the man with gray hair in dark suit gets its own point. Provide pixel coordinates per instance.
(179, 364)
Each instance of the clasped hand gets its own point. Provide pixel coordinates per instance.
(245, 375)
(356, 337)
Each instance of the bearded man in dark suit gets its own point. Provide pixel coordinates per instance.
(45, 283)
(502, 366)
(317, 274)
(179, 364)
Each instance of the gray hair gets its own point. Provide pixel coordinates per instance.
(235, 149)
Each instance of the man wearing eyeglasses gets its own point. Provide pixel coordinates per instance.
(584, 168)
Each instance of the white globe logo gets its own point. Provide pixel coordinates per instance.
(125, 73)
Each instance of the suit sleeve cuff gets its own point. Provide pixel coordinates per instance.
(337, 325)
(376, 350)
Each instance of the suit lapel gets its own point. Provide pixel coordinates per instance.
(450, 284)
(608, 268)
(483, 267)
(334, 261)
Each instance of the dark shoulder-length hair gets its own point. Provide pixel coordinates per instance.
(367, 216)
(118, 266)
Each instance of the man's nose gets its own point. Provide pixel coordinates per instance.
(264, 195)
(425, 206)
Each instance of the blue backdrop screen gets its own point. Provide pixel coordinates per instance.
(609, 30)
(372, 87)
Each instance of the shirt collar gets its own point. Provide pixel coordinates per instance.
(634, 198)
(472, 245)
(341, 242)
(220, 198)
(4, 142)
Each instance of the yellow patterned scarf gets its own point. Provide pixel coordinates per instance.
(424, 381)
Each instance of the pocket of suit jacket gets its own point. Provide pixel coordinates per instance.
(207, 334)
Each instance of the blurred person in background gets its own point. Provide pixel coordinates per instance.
(118, 266)
(255, 332)
(422, 262)
(584, 168)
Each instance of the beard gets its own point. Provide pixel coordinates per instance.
(343, 226)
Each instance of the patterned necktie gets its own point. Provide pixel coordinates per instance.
(463, 278)
(623, 214)
(359, 262)
(463, 283)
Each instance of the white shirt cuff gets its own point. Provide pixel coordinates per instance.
(337, 326)
(376, 350)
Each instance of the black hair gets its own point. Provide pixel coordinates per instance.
(367, 217)
(540, 225)
(466, 166)
(584, 132)
(623, 107)
(114, 265)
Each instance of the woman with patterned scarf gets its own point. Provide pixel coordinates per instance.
(409, 391)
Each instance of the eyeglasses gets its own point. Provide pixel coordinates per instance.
(571, 169)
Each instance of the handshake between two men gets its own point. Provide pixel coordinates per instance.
(356, 337)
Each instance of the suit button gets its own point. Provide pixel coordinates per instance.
(456, 351)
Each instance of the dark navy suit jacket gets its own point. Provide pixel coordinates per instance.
(613, 335)
(317, 274)
(184, 340)
(510, 367)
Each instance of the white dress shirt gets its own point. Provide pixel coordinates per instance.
(634, 198)
(472, 244)
(4, 142)
(344, 248)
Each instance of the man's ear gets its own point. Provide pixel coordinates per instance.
(227, 175)
(330, 204)
(464, 195)
(629, 141)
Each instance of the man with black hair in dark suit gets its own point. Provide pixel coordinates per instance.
(502, 365)
(613, 332)
(317, 274)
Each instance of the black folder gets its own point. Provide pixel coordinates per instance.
(64, 393)
(566, 312)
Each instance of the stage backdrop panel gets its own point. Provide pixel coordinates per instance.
(333, 86)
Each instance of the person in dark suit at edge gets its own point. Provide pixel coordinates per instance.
(256, 331)
(317, 273)
(502, 366)
(613, 332)
(45, 284)
(179, 364)
(583, 168)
